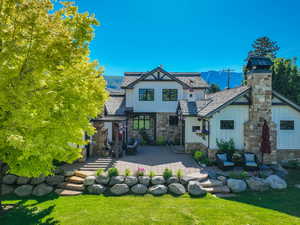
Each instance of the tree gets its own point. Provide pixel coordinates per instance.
(264, 46)
(49, 90)
(213, 88)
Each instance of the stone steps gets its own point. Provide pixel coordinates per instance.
(75, 180)
(83, 174)
(71, 186)
(91, 169)
(64, 192)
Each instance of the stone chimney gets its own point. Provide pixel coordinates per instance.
(259, 79)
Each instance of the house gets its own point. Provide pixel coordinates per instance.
(175, 107)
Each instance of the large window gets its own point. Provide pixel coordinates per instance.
(170, 95)
(142, 122)
(146, 94)
(227, 124)
(287, 125)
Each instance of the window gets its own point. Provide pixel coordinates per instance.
(195, 128)
(287, 125)
(146, 94)
(227, 124)
(173, 120)
(169, 95)
(142, 122)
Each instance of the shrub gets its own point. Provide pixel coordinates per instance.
(226, 146)
(161, 140)
(140, 172)
(239, 175)
(113, 172)
(167, 173)
(179, 174)
(100, 172)
(127, 172)
(151, 174)
(198, 155)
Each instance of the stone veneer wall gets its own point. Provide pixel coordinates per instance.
(288, 154)
(99, 139)
(165, 130)
(190, 147)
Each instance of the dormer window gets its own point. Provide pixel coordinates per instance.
(170, 95)
(146, 94)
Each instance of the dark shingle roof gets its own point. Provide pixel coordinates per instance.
(115, 105)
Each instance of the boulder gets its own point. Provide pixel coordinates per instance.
(42, 190)
(172, 180)
(176, 188)
(139, 189)
(9, 179)
(144, 180)
(195, 189)
(236, 185)
(131, 180)
(119, 189)
(37, 180)
(211, 183)
(23, 180)
(185, 180)
(257, 184)
(69, 173)
(158, 180)
(6, 189)
(279, 170)
(276, 182)
(223, 179)
(116, 180)
(96, 189)
(265, 173)
(55, 180)
(89, 180)
(59, 171)
(158, 189)
(24, 190)
(102, 179)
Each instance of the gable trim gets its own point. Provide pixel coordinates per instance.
(287, 101)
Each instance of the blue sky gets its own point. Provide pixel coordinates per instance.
(188, 35)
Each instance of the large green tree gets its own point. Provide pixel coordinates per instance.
(49, 89)
(264, 46)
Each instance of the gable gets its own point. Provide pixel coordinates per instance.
(158, 75)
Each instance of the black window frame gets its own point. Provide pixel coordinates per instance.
(173, 120)
(196, 128)
(168, 96)
(146, 94)
(141, 119)
(289, 125)
(227, 124)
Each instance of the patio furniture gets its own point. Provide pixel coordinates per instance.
(224, 161)
(250, 161)
(131, 148)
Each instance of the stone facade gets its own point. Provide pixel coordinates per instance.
(190, 147)
(99, 139)
(288, 154)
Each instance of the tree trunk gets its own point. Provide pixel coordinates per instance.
(2, 173)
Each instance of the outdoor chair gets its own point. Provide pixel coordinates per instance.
(132, 146)
(223, 161)
(250, 161)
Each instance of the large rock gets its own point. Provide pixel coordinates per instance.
(276, 182)
(69, 173)
(176, 188)
(89, 180)
(211, 183)
(23, 180)
(279, 170)
(55, 180)
(131, 180)
(116, 180)
(195, 189)
(139, 189)
(119, 189)
(37, 180)
(172, 180)
(96, 189)
(158, 189)
(186, 179)
(158, 180)
(144, 180)
(257, 184)
(102, 179)
(42, 190)
(24, 190)
(265, 173)
(236, 185)
(9, 179)
(6, 189)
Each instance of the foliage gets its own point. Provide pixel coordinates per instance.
(151, 174)
(213, 88)
(145, 136)
(198, 155)
(161, 140)
(226, 146)
(140, 172)
(167, 173)
(179, 174)
(264, 46)
(99, 172)
(113, 172)
(49, 88)
(127, 172)
(239, 175)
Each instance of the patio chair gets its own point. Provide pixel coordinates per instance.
(223, 161)
(131, 148)
(250, 161)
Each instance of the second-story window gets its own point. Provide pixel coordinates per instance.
(146, 94)
(170, 95)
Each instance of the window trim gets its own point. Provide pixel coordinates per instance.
(147, 93)
(167, 93)
(142, 119)
(287, 129)
(222, 127)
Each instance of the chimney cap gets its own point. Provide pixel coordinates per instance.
(259, 62)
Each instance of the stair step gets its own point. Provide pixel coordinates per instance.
(71, 186)
(75, 180)
(211, 183)
(64, 192)
(218, 189)
(82, 174)
(90, 169)
(94, 166)
(97, 163)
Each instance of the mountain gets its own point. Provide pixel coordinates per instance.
(211, 77)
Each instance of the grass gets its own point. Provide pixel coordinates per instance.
(274, 207)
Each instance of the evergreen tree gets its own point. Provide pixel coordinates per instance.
(264, 46)
(213, 88)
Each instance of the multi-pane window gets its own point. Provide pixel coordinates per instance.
(287, 125)
(142, 122)
(227, 124)
(146, 94)
(173, 120)
(170, 95)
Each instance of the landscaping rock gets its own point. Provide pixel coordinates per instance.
(89, 180)
(6, 189)
(24, 190)
(185, 180)
(172, 180)
(23, 180)
(176, 188)
(9, 179)
(69, 173)
(102, 179)
(144, 180)
(212, 174)
(119, 189)
(194, 188)
(37, 180)
(55, 180)
(265, 173)
(223, 179)
(158, 180)
(257, 184)
(237, 185)
(139, 189)
(96, 189)
(59, 171)
(131, 180)
(116, 180)
(279, 170)
(211, 183)
(42, 190)
(276, 182)
(158, 189)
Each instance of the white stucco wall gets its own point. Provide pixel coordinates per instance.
(190, 136)
(108, 125)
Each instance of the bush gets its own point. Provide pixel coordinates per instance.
(179, 174)
(161, 140)
(140, 172)
(239, 175)
(151, 174)
(167, 173)
(100, 172)
(226, 146)
(198, 155)
(113, 172)
(127, 172)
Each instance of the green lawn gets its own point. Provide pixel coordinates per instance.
(276, 207)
